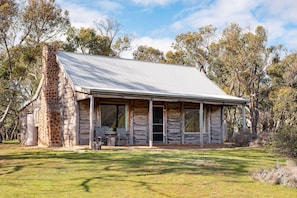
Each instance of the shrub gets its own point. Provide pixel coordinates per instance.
(284, 175)
(285, 141)
(242, 138)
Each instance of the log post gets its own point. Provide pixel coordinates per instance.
(91, 135)
(150, 119)
(201, 124)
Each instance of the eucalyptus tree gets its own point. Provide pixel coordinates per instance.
(195, 46)
(239, 59)
(86, 41)
(146, 53)
(176, 57)
(101, 40)
(24, 27)
(283, 76)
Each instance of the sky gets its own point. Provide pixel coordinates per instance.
(156, 23)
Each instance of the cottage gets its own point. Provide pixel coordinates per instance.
(154, 103)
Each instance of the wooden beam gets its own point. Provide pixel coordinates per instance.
(77, 132)
(91, 135)
(182, 123)
(208, 123)
(201, 124)
(131, 126)
(222, 125)
(81, 96)
(165, 135)
(150, 119)
(243, 118)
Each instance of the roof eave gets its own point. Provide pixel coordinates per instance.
(229, 100)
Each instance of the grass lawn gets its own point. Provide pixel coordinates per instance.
(36, 172)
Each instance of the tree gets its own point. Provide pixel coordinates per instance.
(283, 76)
(99, 41)
(108, 29)
(195, 46)
(86, 41)
(24, 28)
(238, 65)
(176, 57)
(146, 53)
(122, 44)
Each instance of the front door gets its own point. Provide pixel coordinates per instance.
(158, 124)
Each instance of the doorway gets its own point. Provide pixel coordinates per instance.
(158, 124)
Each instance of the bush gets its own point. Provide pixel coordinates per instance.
(285, 141)
(242, 138)
(284, 175)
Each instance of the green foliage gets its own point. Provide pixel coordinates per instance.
(284, 90)
(25, 27)
(121, 44)
(146, 53)
(285, 141)
(176, 57)
(43, 21)
(285, 105)
(238, 63)
(100, 41)
(195, 46)
(87, 41)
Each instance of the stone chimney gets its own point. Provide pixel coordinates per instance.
(49, 130)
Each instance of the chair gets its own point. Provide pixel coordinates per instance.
(122, 135)
(100, 135)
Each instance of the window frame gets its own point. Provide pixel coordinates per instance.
(126, 114)
(205, 120)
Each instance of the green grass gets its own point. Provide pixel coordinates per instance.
(32, 172)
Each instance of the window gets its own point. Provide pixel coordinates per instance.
(113, 115)
(192, 120)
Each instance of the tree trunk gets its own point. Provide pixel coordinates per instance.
(254, 115)
(254, 120)
(5, 113)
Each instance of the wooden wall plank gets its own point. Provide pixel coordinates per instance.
(140, 122)
(174, 123)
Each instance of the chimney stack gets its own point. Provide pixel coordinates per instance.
(49, 131)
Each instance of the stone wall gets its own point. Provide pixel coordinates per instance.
(67, 99)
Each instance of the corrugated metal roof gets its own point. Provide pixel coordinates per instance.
(108, 74)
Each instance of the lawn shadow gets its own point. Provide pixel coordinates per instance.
(15, 169)
(145, 184)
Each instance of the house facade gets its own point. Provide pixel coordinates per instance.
(155, 103)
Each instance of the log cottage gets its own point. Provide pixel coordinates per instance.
(154, 103)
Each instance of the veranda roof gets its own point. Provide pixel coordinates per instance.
(101, 74)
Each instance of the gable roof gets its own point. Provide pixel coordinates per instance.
(101, 74)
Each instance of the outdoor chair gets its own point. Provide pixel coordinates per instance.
(122, 135)
(100, 135)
